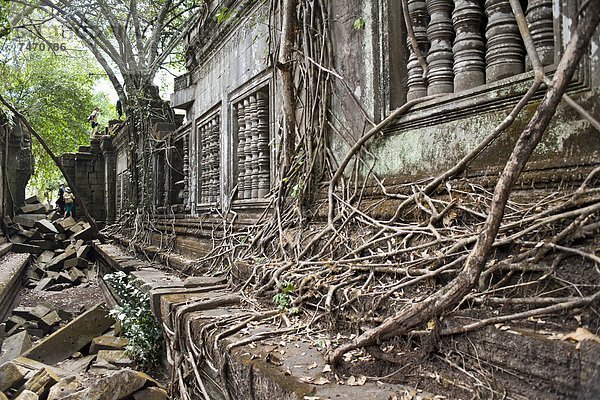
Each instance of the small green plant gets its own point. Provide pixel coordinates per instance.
(138, 323)
(284, 299)
(359, 23)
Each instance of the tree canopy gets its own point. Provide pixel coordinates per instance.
(55, 91)
(131, 40)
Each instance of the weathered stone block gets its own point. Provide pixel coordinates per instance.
(27, 395)
(28, 220)
(114, 357)
(35, 208)
(41, 382)
(26, 248)
(10, 376)
(15, 345)
(107, 343)
(64, 387)
(151, 393)
(117, 386)
(72, 337)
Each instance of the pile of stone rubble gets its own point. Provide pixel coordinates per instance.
(60, 244)
(81, 359)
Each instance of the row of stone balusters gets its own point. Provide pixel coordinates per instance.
(449, 34)
(209, 160)
(253, 180)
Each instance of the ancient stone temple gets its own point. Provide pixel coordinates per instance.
(463, 68)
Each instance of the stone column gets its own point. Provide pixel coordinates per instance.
(504, 55)
(440, 57)
(110, 178)
(469, 49)
(262, 108)
(541, 25)
(241, 154)
(417, 85)
(247, 150)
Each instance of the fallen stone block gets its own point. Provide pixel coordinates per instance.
(45, 244)
(32, 200)
(82, 251)
(33, 208)
(40, 310)
(10, 376)
(108, 343)
(22, 312)
(64, 224)
(15, 239)
(45, 257)
(54, 215)
(43, 284)
(72, 337)
(61, 237)
(114, 357)
(84, 234)
(57, 263)
(45, 226)
(27, 395)
(58, 287)
(28, 233)
(15, 345)
(151, 393)
(26, 248)
(64, 387)
(41, 382)
(77, 365)
(50, 320)
(78, 226)
(117, 386)
(28, 220)
(194, 281)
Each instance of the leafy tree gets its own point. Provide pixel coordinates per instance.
(131, 40)
(55, 91)
(4, 23)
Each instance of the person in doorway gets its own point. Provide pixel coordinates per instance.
(60, 202)
(119, 108)
(69, 202)
(93, 119)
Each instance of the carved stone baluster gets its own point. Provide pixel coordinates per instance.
(209, 160)
(262, 109)
(216, 159)
(186, 170)
(469, 49)
(254, 145)
(440, 56)
(240, 150)
(248, 150)
(541, 25)
(205, 156)
(417, 86)
(504, 55)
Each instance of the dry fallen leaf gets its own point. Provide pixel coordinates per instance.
(312, 366)
(321, 381)
(580, 335)
(327, 368)
(357, 381)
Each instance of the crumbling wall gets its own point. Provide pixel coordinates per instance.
(16, 164)
(86, 168)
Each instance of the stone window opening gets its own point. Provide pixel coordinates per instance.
(208, 136)
(470, 43)
(251, 146)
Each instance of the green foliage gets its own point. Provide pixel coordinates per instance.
(55, 91)
(359, 23)
(137, 321)
(4, 22)
(284, 299)
(224, 14)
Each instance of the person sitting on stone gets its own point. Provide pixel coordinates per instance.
(69, 202)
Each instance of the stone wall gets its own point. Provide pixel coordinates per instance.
(16, 164)
(86, 169)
